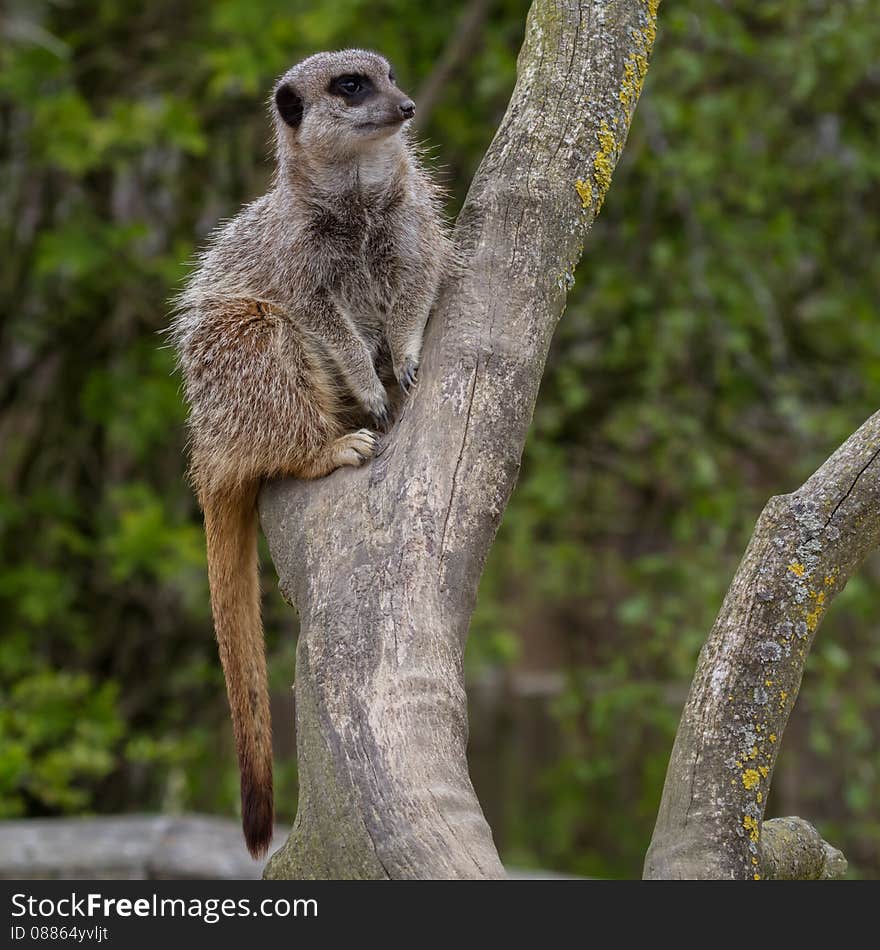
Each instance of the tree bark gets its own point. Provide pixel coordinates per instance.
(383, 563)
(804, 548)
(792, 850)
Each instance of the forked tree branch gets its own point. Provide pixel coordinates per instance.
(805, 547)
(383, 563)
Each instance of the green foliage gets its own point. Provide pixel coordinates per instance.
(57, 730)
(720, 342)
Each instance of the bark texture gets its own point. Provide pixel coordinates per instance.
(792, 850)
(383, 563)
(803, 550)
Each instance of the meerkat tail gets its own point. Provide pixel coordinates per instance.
(231, 532)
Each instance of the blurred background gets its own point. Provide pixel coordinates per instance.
(721, 340)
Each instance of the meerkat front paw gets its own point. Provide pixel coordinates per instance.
(376, 406)
(355, 448)
(407, 373)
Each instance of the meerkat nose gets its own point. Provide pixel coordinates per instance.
(407, 108)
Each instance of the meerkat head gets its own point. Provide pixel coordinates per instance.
(338, 105)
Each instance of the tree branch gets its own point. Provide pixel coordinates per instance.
(792, 850)
(383, 562)
(804, 549)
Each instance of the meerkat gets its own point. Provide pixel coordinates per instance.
(300, 306)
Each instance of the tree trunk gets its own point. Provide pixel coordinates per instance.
(383, 562)
(804, 549)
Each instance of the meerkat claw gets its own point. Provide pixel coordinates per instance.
(408, 375)
(381, 419)
(366, 445)
(354, 448)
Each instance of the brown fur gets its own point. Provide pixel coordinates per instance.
(298, 307)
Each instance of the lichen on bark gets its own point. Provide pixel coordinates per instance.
(804, 548)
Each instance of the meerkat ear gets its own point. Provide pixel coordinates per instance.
(289, 105)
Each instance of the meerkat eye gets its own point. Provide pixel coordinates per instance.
(391, 76)
(354, 88)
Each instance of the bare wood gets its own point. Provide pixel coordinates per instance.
(383, 563)
(805, 547)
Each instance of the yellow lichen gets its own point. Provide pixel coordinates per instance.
(813, 617)
(756, 877)
(603, 163)
(751, 778)
(759, 797)
(635, 68)
(764, 770)
(797, 568)
(753, 752)
(585, 192)
(772, 736)
(751, 826)
(629, 88)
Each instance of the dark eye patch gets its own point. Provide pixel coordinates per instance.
(353, 87)
(391, 75)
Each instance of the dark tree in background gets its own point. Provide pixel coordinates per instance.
(719, 343)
